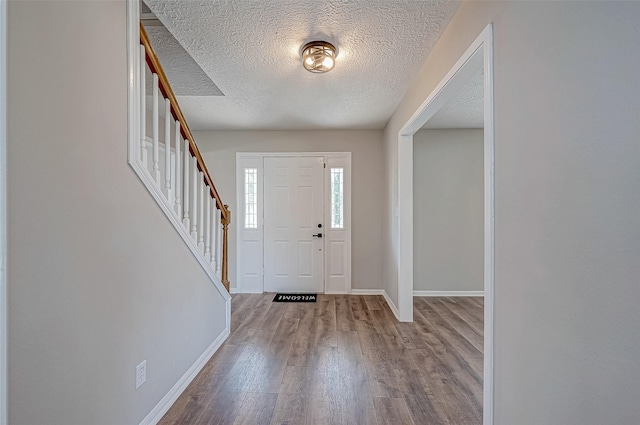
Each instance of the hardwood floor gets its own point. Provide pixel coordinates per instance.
(342, 360)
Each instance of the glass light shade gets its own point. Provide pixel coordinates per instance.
(318, 56)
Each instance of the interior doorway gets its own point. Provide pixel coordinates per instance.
(479, 56)
(294, 222)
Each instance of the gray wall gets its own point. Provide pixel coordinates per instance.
(567, 196)
(98, 279)
(448, 202)
(219, 152)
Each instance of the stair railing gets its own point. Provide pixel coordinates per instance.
(177, 168)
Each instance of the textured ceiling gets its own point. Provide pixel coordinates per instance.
(184, 74)
(465, 110)
(251, 51)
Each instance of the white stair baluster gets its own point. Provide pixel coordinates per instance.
(219, 244)
(212, 231)
(177, 191)
(194, 199)
(201, 212)
(156, 153)
(167, 149)
(143, 101)
(186, 176)
(207, 223)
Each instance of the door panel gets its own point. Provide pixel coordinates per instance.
(293, 209)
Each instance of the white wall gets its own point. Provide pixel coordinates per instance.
(567, 196)
(99, 280)
(219, 152)
(448, 202)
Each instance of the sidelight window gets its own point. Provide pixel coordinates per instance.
(337, 198)
(250, 198)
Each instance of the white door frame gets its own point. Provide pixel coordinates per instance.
(3, 212)
(337, 159)
(448, 86)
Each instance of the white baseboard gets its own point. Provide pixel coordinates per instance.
(382, 292)
(367, 291)
(391, 305)
(228, 315)
(167, 401)
(240, 291)
(352, 292)
(448, 293)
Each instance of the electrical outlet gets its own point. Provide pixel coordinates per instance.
(141, 374)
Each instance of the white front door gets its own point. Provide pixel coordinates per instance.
(293, 224)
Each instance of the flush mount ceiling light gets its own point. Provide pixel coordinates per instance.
(318, 56)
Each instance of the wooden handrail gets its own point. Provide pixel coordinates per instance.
(225, 215)
(176, 112)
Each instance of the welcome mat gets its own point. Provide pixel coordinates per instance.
(295, 298)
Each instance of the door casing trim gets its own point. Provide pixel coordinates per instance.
(343, 159)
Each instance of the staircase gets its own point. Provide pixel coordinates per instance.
(165, 157)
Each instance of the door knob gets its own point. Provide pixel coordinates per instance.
(319, 235)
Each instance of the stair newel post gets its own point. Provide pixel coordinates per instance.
(225, 245)
(178, 181)
(167, 149)
(201, 211)
(207, 223)
(156, 149)
(143, 100)
(194, 199)
(186, 175)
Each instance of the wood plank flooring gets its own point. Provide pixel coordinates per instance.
(342, 360)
